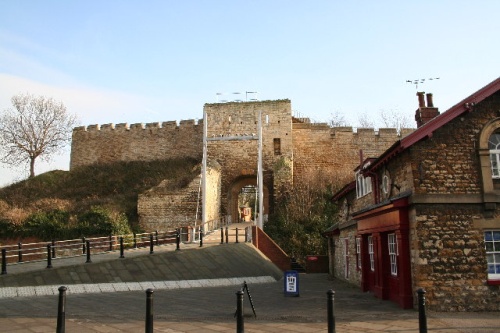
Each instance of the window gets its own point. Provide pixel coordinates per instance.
(363, 185)
(492, 245)
(277, 146)
(393, 253)
(370, 252)
(494, 147)
(358, 253)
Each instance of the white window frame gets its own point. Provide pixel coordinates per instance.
(494, 147)
(392, 243)
(371, 253)
(492, 247)
(363, 185)
(358, 252)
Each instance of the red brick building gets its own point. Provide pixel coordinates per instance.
(426, 212)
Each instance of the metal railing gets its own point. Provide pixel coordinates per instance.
(40, 251)
(203, 229)
(32, 252)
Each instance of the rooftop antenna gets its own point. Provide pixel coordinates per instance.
(420, 81)
(251, 92)
(253, 97)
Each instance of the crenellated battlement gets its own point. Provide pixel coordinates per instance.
(139, 126)
(108, 143)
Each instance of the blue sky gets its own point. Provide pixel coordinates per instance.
(144, 61)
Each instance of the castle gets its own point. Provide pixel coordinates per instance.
(292, 148)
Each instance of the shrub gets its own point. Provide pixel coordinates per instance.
(300, 217)
(46, 225)
(7, 229)
(99, 221)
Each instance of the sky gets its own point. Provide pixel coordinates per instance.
(124, 61)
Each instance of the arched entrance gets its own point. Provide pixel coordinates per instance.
(240, 187)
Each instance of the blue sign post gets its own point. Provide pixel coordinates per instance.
(291, 281)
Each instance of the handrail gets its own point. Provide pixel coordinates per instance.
(69, 248)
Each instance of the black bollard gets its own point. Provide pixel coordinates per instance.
(222, 235)
(227, 235)
(61, 312)
(135, 241)
(331, 318)
(246, 235)
(201, 236)
(422, 317)
(240, 325)
(178, 239)
(149, 310)
(20, 252)
(4, 261)
(121, 248)
(53, 249)
(88, 252)
(49, 256)
(151, 244)
(237, 241)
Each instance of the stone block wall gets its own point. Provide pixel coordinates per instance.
(97, 144)
(300, 150)
(162, 208)
(450, 260)
(354, 277)
(448, 253)
(238, 159)
(335, 152)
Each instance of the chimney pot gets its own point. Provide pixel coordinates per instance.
(421, 101)
(430, 104)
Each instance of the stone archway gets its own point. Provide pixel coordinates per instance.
(234, 191)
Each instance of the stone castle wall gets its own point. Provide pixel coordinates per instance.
(161, 208)
(335, 152)
(291, 148)
(238, 159)
(97, 144)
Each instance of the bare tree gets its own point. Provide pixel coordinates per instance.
(36, 127)
(337, 120)
(395, 119)
(365, 121)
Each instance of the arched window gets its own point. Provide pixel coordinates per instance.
(489, 159)
(494, 147)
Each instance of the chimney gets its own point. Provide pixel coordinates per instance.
(424, 112)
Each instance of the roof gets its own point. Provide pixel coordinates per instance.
(428, 129)
(344, 190)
